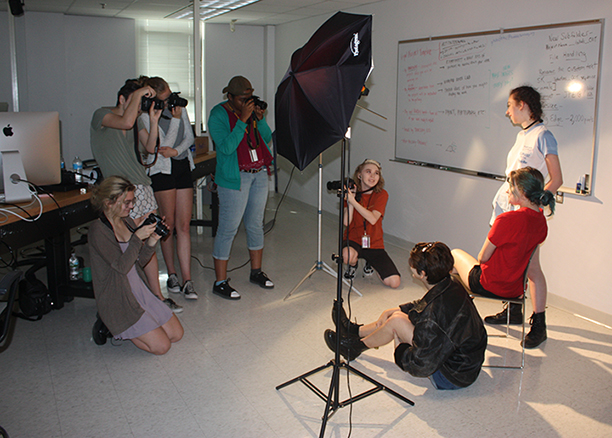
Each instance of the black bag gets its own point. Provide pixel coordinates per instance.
(34, 299)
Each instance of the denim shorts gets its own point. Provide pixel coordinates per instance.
(440, 382)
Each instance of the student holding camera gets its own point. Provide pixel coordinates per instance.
(170, 172)
(114, 147)
(119, 249)
(240, 133)
(363, 213)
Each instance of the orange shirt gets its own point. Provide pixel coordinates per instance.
(373, 202)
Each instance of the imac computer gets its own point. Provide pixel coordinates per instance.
(30, 151)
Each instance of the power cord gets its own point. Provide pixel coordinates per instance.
(32, 190)
(266, 232)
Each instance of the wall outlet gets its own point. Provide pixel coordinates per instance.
(559, 198)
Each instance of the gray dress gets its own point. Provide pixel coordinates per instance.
(156, 312)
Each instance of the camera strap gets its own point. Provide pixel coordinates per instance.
(137, 149)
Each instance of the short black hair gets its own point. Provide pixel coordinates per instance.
(432, 258)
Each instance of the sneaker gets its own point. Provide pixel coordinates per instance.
(173, 306)
(262, 280)
(368, 269)
(350, 272)
(189, 291)
(173, 284)
(224, 290)
(516, 315)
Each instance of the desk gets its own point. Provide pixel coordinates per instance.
(205, 165)
(54, 228)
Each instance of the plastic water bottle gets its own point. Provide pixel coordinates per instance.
(62, 163)
(73, 264)
(77, 167)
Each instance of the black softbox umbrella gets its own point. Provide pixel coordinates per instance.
(316, 99)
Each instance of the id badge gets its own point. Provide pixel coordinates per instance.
(253, 154)
(365, 241)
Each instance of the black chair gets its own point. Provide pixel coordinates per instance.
(509, 301)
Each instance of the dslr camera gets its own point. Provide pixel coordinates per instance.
(258, 102)
(175, 100)
(146, 103)
(160, 228)
(337, 185)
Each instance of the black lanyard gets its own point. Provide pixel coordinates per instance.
(367, 207)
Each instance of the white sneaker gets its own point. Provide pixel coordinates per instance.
(189, 291)
(173, 306)
(173, 284)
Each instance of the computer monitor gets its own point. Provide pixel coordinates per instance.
(36, 136)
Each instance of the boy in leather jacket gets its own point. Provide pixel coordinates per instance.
(440, 336)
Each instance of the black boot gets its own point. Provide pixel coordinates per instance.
(350, 346)
(516, 315)
(346, 326)
(537, 334)
(100, 332)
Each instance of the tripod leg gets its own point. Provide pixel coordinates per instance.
(305, 375)
(312, 271)
(333, 403)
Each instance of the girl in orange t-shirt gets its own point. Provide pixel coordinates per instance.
(363, 212)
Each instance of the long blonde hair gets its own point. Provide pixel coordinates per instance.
(381, 182)
(109, 191)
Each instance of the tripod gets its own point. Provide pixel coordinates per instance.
(332, 399)
(319, 265)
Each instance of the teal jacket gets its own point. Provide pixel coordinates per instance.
(226, 143)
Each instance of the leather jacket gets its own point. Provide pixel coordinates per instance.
(448, 335)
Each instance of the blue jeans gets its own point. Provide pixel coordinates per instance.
(249, 203)
(440, 382)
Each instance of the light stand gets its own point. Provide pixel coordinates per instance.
(320, 265)
(332, 399)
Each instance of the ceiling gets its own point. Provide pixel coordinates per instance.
(264, 12)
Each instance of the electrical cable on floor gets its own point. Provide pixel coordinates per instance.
(273, 221)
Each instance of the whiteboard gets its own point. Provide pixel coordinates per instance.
(452, 94)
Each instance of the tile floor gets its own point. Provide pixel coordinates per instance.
(220, 380)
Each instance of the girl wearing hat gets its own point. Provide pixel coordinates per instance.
(363, 213)
(240, 133)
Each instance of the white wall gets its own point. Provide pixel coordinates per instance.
(74, 64)
(427, 204)
(69, 64)
(229, 54)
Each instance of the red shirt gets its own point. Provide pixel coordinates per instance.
(252, 136)
(373, 202)
(515, 235)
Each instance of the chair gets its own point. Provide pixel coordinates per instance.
(509, 301)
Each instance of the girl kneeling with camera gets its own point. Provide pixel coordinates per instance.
(363, 212)
(119, 250)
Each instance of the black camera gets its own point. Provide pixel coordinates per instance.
(176, 100)
(160, 228)
(259, 103)
(146, 103)
(337, 185)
